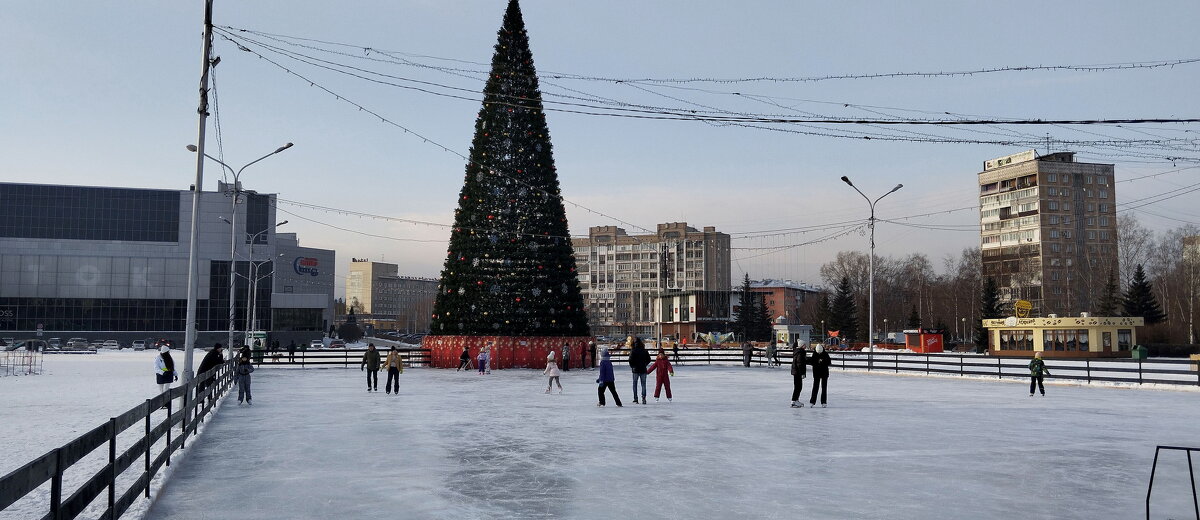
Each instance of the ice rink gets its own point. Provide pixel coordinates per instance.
(459, 445)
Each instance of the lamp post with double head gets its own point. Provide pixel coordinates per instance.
(252, 289)
(871, 264)
(235, 193)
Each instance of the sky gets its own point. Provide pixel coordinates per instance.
(106, 94)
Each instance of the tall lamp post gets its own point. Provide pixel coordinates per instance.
(233, 234)
(871, 264)
(252, 287)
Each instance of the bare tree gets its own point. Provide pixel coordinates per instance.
(1134, 243)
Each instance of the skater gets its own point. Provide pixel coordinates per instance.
(1037, 368)
(606, 379)
(370, 363)
(747, 351)
(292, 351)
(395, 366)
(639, 358)
(566, 354)
(211, 360)
(483, 359)
(464, 360)
(552, 371)
(820, 363)
(771, 354)
(242, 374)
(164, 369)
(675, 352)
(591, 355)
(663, 372)
(799, 370)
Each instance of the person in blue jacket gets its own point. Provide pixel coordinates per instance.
(606, 379)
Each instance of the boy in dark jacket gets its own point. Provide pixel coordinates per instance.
(799, 370)
(1037, 368)
(242, 374)
(820, 363)
(638, 359)
(370, 362)
(606, 379)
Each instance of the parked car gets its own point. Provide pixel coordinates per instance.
(55, 343)
(337, 343)
(113, 344)
(97, 344)
(139, 344)
(77, 342)
(316, 343)
(8, 341)
(28, 344)
(164, 341)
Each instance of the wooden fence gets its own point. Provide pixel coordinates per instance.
(198, 398)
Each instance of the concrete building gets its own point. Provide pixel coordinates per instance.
(623, 276)
(112, 263)
(384, 299)
(784, 298)
(1048, 230)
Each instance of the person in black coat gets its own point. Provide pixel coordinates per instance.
(464, 360)
(639, 359)
(799, 370)
(820, 363)
(211, 360)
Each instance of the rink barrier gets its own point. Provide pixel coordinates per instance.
(20, 362)
(1191, 473)
(51, 466)
(346, 358)
(1184, 372)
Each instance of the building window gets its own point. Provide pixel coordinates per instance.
(1103, 221)
(1089, 179)
(1091, 235)
(1091, 207)
(1103, 208)
(1104, 194)
(1055, 248)
(1053, 233)
(1053, 220)
(1066, 234)
(1052, 205)
(1124, 338)
(1103, 235)
(1053, 177)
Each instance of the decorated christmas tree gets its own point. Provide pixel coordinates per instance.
(510, 269)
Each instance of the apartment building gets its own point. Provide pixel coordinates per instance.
(1048, 230)
(386, 300)
(623, 278)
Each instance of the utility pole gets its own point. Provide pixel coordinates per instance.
(189, 342)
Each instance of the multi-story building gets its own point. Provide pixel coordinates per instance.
(386, 300)
(624, 276)
(84, 260)
(784, 298)
(1048, 230)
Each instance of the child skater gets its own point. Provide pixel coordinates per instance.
(552, 371)
(606, 379)
(484, 354)
(464, 360)
(661, 377)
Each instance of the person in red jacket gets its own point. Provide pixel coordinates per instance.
(663, 375)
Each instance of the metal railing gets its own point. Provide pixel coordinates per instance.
(20, 362)
(198, 398)
(1191, 473)
(347, 358)
(1090, 370)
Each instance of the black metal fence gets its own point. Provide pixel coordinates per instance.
(197, 400)
(1191, 473)
(346, 358)
(1116, 370)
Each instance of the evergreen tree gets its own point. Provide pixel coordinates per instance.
(744, 315)
(1139, 299)
(843, 313)
(823, 312)
(1109, 299)
(510, 268)
(914, 319)
(764, 323)
(989, 308)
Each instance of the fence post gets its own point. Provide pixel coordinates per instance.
(170, 409)
(962, 360)
(897, 358)
(149, 410)
(187, 391)
(1139, 371)
(927, 364)
(56, 486)
(112, 464)
(1087, 362)
(999, 368)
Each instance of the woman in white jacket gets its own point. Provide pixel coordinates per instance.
(164, 369)
(552, 371)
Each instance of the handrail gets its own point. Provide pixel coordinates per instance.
(51, 466)
(1191, 473)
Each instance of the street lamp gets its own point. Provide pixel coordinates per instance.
(963, 336)
(237, 190)
(252, 290)
(885, 328)
(871, 283)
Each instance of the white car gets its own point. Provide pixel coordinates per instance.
(139, 344)
(112, 344)
(316, 343)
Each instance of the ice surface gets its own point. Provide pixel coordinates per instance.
(460, 445)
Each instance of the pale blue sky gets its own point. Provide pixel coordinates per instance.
(105, 94)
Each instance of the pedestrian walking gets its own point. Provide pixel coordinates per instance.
(747, 351)
(1037, 368)
(663, 372)
(799, 370)
(553, 372)
(566, 354)
(772, 350)
(484, 358)
(370, 363)
(464, 359)
(164, 369)
(639, 358)
(395, 366)
(292, 351)
(820, 363)
(607, 379)
(241, 373)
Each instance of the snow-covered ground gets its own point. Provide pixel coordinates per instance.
(460, 445)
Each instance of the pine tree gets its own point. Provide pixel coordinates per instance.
(510, 268)
(1139, 299)
(989, 309)
(914, 319)
(764, 323)
(843, 313)
(743, 316)
(823, 311)
(1109, 299)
